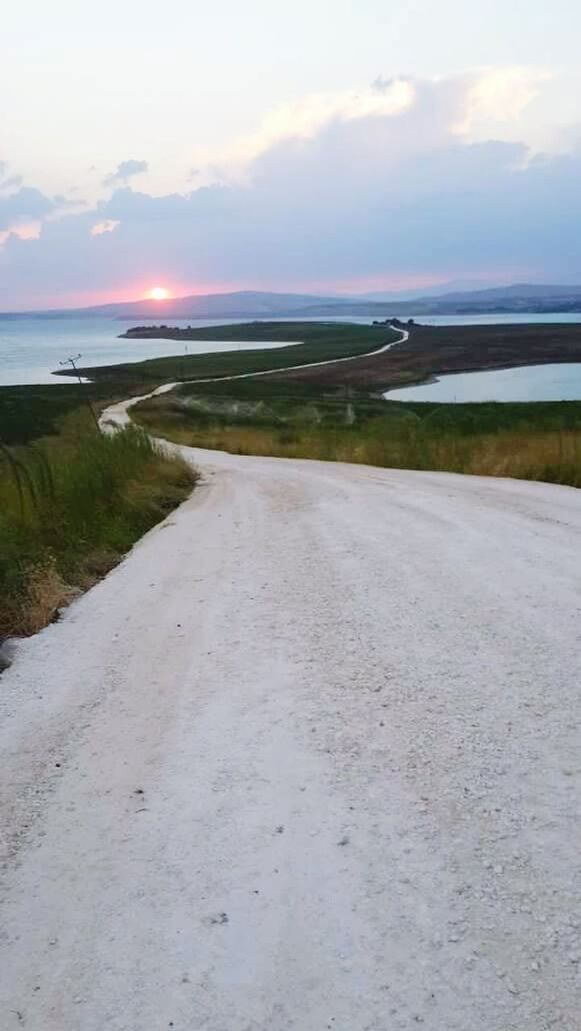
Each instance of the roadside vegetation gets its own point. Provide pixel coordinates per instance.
(72, 501)
(540, 441)
(37, 410)
(71, 506)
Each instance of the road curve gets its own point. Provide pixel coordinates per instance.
(308, 759)
(117, 415)
(404, 335)
(305, 365)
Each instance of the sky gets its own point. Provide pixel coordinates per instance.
(327, 146)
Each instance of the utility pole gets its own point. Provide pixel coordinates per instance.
(182, 374)
(72, 362)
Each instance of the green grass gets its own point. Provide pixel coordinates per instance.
(320, 342)
(30, 412)
(70, 508)
(540, 441)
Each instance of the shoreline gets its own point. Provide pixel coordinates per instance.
(438, 377)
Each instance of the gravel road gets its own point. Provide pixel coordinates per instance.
(308, 759)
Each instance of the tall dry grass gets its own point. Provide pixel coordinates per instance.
(69, 509)
(405, 442)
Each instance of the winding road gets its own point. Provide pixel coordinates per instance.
(309, 758)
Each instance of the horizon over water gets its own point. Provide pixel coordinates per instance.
(31, 349)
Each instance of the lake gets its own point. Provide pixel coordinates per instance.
(529, 383)
(31, 349)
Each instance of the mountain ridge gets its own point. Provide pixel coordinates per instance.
(247, 304)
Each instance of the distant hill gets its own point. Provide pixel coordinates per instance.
(242, 303)
(453, 286)
(239, 304)
(529, 297)
(521, 291)
(253, 304)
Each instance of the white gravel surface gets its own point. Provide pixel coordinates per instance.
(308, 759)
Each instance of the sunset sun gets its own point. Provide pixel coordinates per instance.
(159, 293)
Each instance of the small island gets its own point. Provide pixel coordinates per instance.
(157, 332)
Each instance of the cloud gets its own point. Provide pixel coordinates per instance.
(381, 185)
(11, 182)
(24, 205)
(108, 225)
(305, 118)
(128, 206)
(501, 94)
(63, 203)
(125, 171)
(381, 85)
(459, 104)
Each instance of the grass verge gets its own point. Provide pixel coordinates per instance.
(70, 507)
(527, 441)
(38, 410)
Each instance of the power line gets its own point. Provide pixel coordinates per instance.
(72, 362)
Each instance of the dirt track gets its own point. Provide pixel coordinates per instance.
(309, 759)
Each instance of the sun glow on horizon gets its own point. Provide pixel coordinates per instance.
(159, 293)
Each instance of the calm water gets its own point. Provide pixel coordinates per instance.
(495, 320)
(533, 383)
(31, 349)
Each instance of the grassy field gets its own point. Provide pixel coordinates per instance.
(529, 441)
(437, 350)
(70, 507)
(319, 342)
